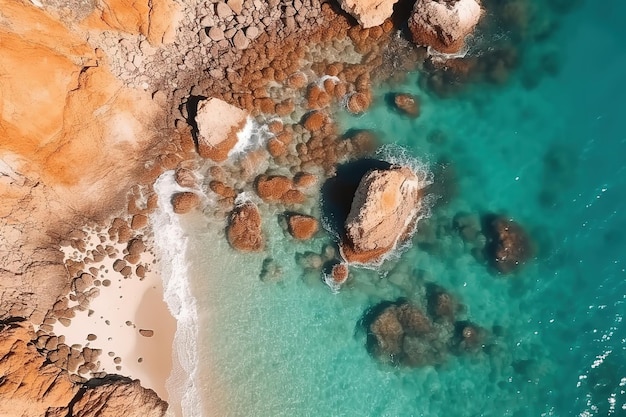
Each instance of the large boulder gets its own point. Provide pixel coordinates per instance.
(384, 211)
(369, 13)
(218, 123)
(444, 24)
(244, 228)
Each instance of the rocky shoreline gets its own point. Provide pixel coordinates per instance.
(141, 90)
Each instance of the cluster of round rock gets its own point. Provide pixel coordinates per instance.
(87, 268)
(303, 138)
(400, 332)
(209, 36)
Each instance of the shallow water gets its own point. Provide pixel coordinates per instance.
(550, 157)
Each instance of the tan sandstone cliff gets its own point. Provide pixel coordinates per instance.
(66, 125)
(31, 387)
(73, 141)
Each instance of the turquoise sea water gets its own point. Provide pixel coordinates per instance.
(553, 158)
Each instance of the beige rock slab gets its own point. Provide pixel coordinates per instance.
(369, 13)
(218, 122)
(157, 20)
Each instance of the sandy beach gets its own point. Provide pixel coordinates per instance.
(128, 321)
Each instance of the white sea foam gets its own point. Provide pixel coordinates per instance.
(323, 78)
(397, 155)
(252, 136)
(244, 197)
(171, 245)
(436, 55)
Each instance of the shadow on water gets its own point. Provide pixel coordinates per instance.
(338, 191)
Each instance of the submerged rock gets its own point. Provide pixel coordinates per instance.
(244, 228)
(468, 337)
(271, 271)
(508, 244)
(407, 104)
(369, 13)
(310, 260)
(340, 273)
(444, 24)
(384, 211)
(388, 332)
(302, 227)
(441, 305)
(402, 333)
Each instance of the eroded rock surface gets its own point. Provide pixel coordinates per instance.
(369, 13)
(383, 213)
(155, 19)
(116, 398)
(244, 228)
(29, 386)
(93, 127)
(444, 24)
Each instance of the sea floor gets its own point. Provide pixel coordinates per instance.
(551, 158)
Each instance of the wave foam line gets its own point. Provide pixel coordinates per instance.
(170, 244)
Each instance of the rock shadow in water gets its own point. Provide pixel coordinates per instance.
(338, 191)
